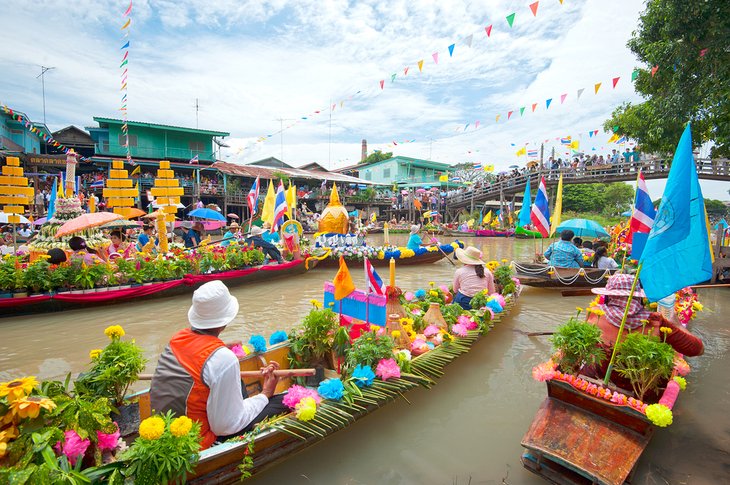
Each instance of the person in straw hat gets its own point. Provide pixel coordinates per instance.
(414, 240)
(197, 375)
(472, 278)
(232, 234)
(610, 312)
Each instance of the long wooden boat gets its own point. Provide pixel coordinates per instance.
(523, 233)
(68, 300)
(492, 233)
(277, 441)
(425, 258)
(545, 276)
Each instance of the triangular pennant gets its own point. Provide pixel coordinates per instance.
(435, 56)
(468, 40)
(580, 92)
(125, 46)
(590, 134)
(126, 24)
(476, 124)
(451, 50)
(703, 52)
(511, 19)
(534, 107)
(533, 7)
(634, 74)
(382, 83)
(654, 70)
(562, 98)
(488, 28)
(509, 115)
(522, 111)
(596, 87)
(547, 103)
(595, 132)
(420, 65)
(466, 126)
(615, 81)
(497, 118)
(405, 71)
(392, 77)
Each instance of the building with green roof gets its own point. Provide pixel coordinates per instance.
(404, 171)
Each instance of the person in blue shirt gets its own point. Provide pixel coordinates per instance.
(190, 237)
(563, 253)
(268, 236)
(414, 241)
(144, 238)
(230, 235)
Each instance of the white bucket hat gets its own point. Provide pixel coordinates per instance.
(415, 228)
(213, 306)
(256, 231)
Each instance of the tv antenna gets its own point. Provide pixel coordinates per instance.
(42, 75)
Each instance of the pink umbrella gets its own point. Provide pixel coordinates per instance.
(233, 216)
(420, 191)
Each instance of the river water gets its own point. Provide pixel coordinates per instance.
(466, 429)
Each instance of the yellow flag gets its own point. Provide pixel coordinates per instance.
(136, 170)
(522, 151)
(291, 200)
(557, 211)
(267, 213)
(343, 281)
(574, 145)
(443, 178)
(613, 138)
(489, 168)
(92, 204)
(488, 218)
(470, 222)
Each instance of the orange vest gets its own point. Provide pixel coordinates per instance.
(192, 350)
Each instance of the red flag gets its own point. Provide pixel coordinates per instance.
(615, 81)
(489, 30)
(533, 7)
(654, 70)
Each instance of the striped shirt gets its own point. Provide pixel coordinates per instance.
(564, 254)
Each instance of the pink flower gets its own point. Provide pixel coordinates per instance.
(681, 366)
(543, 372)
(381, 331)
(416, 311)
(516, 281)
(238, 350)
(73, 446)
(296, 393)
(468, 322)
(431, 330)
(108, 441)
(459, 329)
(409, 296)
(387, 368)
(444, 288)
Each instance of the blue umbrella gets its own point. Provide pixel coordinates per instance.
(626, 214)
(583, 227)
(209, 214)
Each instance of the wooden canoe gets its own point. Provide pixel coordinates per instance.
(273, 444)
(425, 258)
(576, 438)
(526, 234)
(544, 276)
(61, 301)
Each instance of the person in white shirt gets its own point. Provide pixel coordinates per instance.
(198, 375)
(601, 261)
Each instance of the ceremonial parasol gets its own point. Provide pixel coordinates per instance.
(209, 214)
(4, 218)
(87, 221)
(420, 191)
(120, 224)
(40, 222)
(583, 227)
(233, 216)
(134, 212)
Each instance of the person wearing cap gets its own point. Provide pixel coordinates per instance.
(231, 234)
(257, 241)
(471, 278)
(563, 253)
(197, 375)
(414, 241)
(615, 297)
(191, 238)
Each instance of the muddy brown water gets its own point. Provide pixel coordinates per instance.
(466, 429)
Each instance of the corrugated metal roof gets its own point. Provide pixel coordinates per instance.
(254, 171)
(144, 124)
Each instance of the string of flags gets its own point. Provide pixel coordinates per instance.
(124, 67)
(42, 134)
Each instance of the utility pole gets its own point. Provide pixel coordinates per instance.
(42, 75)
(281, 134)
(329, 146)
(542, 153)
(197, 108)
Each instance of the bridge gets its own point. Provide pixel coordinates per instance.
(707, 169)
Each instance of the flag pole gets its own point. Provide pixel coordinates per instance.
(367, 293)
(621, 327)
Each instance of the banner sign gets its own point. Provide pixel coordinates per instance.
(331, 240)
(358, 304)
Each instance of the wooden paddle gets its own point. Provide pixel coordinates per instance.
(438, 245)
(532, 334)
(257, 373)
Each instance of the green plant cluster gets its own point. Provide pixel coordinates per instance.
(578, 344)
(314, 338)
(368, 349)
(645, 360)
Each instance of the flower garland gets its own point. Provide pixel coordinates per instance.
(388, 252)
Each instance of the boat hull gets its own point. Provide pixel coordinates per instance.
(544, 276)
(425, 258)
(70, 300)
(526, 234)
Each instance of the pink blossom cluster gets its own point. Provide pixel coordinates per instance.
(387, 368)
(296, 393)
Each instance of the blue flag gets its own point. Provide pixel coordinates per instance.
(52, 200)
(524, 216)
(677, 253)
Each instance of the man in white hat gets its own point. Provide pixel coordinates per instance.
(197, 375)
(231, 234)
(190, 237)
(256, 239)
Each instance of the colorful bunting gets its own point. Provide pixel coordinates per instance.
(382, 83)
(615, 81)
(634, 75)
(451, 50)
(533, 7)
(562, 98)
(534, 106)
(420, 65)
(469, 40)
(510, 19)
(522, 111)
(547, 103)
(654, 70)
(509, 115)
(580, 92)
(405, 71)
(597, 86)
(488, 29)
(392, 78)
(435, 56)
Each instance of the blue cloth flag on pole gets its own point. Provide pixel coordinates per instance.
(677, 253)
(524, 216)
(52, 200)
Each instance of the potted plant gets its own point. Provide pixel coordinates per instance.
(577, 343)
(645, 361)
(36, 277)
(368, 349)
(59, 277)
(311, 342)
(8, 279)
(113, 370)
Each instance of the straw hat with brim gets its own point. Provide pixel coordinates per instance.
(415, 228)
(470, 255)
(619, 285)
(256, 231)
(213, 306)
(234, 225)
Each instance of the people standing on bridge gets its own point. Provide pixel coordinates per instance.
(563, 253)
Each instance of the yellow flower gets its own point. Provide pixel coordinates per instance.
(93, 354)
(659, 414)
(666, 330)
(395, 333)
(114, 331)
(653, 306)
(599, 312)
(374, 328)
(18, 388)
(3, 449)
(406, 321)
(8, 434)
(431, 284)
(433, 293)
(30, 407)
(181, 426)
(681, 381)
(578, 309)
(381, 255)
(697, 306)
(152, 428)
(306, 408)
(315, 303)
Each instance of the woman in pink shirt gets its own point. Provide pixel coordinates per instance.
(472, 278)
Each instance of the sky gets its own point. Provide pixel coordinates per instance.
(314, 67)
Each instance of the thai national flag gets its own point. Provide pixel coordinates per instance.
(253, 197)
(195, 160)
(477, 166)
(375, 283)
(531, 153)
(565, 141)
(456, 179)
(643, 216)
(280, 206)
(540, 214)
(98, 184)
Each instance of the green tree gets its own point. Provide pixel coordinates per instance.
(376, 156)
(687, 43)
(583, 197)
(715, 207)
(618, 197)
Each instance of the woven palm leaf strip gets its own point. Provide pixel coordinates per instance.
(425, 369)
